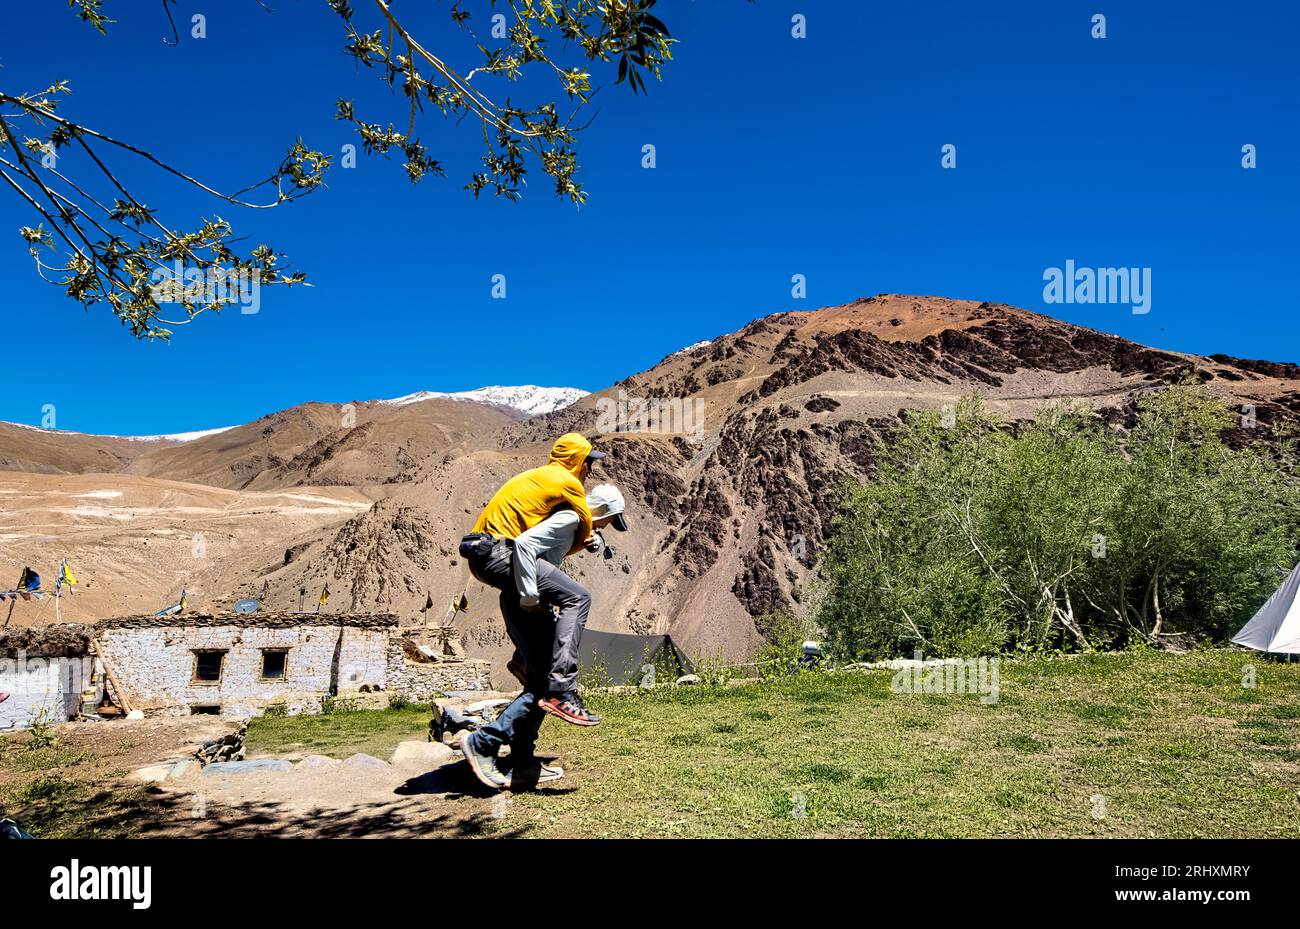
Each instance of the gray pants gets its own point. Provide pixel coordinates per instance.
(548, 647)
(555, 589)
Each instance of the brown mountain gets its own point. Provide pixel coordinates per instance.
(326, 444)
(38, 451)
(320, 444)
(726, 524)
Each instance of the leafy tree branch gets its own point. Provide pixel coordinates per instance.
(103, 244)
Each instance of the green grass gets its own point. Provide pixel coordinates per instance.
(1168, 742)
(339, 734)
(30, 757)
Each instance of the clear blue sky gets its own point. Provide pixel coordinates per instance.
(776, 156)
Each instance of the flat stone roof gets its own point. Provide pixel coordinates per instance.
(268, 620)
(57, 640)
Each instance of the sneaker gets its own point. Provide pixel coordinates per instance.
(483, 766)
(534, 773)
(569, 708)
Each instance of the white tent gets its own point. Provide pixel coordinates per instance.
(1276, 627)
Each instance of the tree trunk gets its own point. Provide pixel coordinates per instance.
(1068, 620)
(1155, 600)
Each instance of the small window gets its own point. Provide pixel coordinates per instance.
(207, 666)
(274, 661)
(205, 709)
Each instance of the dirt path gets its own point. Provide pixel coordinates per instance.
(335, 803)
(87, 783)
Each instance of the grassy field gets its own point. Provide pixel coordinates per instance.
(1117, 745)
(1138, 744)
(339, 734)
(1141, 744)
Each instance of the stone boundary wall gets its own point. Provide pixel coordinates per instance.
(419, 681)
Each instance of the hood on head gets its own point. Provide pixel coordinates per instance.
(570, 451)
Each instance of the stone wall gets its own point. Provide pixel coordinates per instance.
(41, 690)
(154, 660)
(43, 669)
(420, 681)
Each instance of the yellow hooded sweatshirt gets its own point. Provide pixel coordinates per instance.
(528, 498)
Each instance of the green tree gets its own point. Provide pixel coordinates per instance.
(979, 536)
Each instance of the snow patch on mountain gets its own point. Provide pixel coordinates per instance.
(172, 437)
(691, 348)
(179, 436)
(528, 398)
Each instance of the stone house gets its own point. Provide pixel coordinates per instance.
(240, 664)
(228, 664)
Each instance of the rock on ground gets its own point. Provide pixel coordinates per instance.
(184, 768)
(153, 774)
(317, 763)
(361, 760)
(246, 767)
(423, 755)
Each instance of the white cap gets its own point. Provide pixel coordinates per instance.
(606, 500)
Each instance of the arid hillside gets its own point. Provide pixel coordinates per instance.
(136, 542)
(372, 442)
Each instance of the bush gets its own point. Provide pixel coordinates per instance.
(42, 732)
(783, 636)
(712, 669)
(333, 704)
(594, 676)
(1061, 533)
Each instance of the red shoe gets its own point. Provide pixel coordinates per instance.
(569, 708)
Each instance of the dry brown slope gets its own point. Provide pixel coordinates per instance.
(390, 444)
(360, 444)
(135, 542)
(41, 451)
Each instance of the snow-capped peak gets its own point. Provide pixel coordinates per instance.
(528, 398)
(691, 348)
